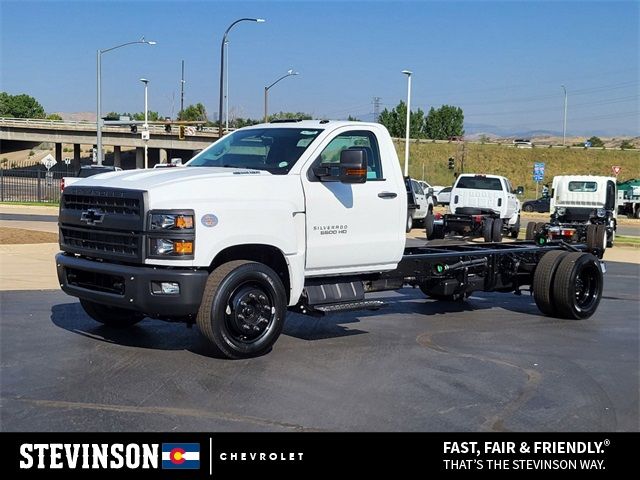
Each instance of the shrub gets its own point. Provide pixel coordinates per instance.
(31, 153)
(626, 145)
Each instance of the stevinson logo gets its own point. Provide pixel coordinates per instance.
(93, 456)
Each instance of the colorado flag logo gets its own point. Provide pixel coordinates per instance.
(181, 455)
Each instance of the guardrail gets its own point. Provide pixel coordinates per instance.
(154, 128)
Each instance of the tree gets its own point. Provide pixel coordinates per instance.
(444, 122)
(152, 116)
(289, 116)
(240, 122)
(596, 142)
(54, 116)
(396, 120)
(352, 119)
(627, 145)
(193, 113)
(20, 106)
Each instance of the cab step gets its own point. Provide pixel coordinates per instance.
(350, 306)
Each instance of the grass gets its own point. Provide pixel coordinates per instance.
(516, 163)
(33, 204)
(626, 239)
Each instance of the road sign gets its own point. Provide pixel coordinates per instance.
(616, 169)
(191, 131)
(538, 172)
(67, 160)
(145, 135)
(48, 161)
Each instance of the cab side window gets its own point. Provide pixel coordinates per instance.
(355, 139)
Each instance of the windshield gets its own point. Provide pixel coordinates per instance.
(273, 149)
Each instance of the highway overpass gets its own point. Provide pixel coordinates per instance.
(60, 133)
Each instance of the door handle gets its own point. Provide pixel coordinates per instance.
(387, 195)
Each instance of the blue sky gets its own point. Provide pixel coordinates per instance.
(502, 62)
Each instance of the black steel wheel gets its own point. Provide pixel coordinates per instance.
(577, 287)
(543, 280)
(243, 309)
(111, 316)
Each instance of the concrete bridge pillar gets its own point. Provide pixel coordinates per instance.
(58, 154)
(162, 155)
(117, 162)
(139, 157)
(76, 157)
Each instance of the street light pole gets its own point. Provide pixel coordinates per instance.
(289, 73)
(408, 127)
(564, 123)
(226, 88)
(224, 40)
(99, 91)
(145, 127)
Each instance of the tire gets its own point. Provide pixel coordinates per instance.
(601, 237)
(487, 229)
(428, 225)
(543, 280)
(515, 229)
(256, 289)
(528, 208)
(496, 230)
(592, 237)
(577, 287)
(111, 316)
(531, 231)
(539, 227)
(438, 232)
(409, 225)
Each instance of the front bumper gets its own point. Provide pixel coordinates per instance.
(130, 287)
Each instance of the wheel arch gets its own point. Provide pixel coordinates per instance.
(268, 255)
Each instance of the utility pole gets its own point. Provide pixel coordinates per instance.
(408, 73)
(376, 108)
(182, 91)
(564, 124)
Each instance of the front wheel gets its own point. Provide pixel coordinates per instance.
(111, 316)
(243, 309)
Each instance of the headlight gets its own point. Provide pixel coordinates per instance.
(171, 221)
(170, 247)
(601, 212)
(561, 211)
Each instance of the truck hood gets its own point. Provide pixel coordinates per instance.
(154, 178)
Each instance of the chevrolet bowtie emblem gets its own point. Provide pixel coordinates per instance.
(92, 217)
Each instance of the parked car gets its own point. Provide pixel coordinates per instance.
(434, 189)
(420, 203)
(522, 143)
(540, 205)
(444, 196)
(87, 171)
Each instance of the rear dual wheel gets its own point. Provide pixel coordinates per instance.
(492, 229)
(568, 285)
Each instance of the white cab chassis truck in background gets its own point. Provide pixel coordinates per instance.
(584, 209)
(304, 215)
(481, 206)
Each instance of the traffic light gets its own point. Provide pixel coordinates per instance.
(167, 128)
(452, 163)
(181, 132)
(134, 128)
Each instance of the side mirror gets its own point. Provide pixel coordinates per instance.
(430, 191)
(520, 190)
(351, 169)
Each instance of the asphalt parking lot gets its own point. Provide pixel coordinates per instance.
(490, 364)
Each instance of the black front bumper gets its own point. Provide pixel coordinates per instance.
(130, 287)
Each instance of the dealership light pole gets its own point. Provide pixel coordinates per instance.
(99, 91)
(289, 73)
(408, 73)
(145, 127)
(224, 40)
(564, 123)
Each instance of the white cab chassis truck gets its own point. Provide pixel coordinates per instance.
(481, 206)
(583, 210)
(307, 216)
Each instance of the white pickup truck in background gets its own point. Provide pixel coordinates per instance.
(481, 206)
(307, 216)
